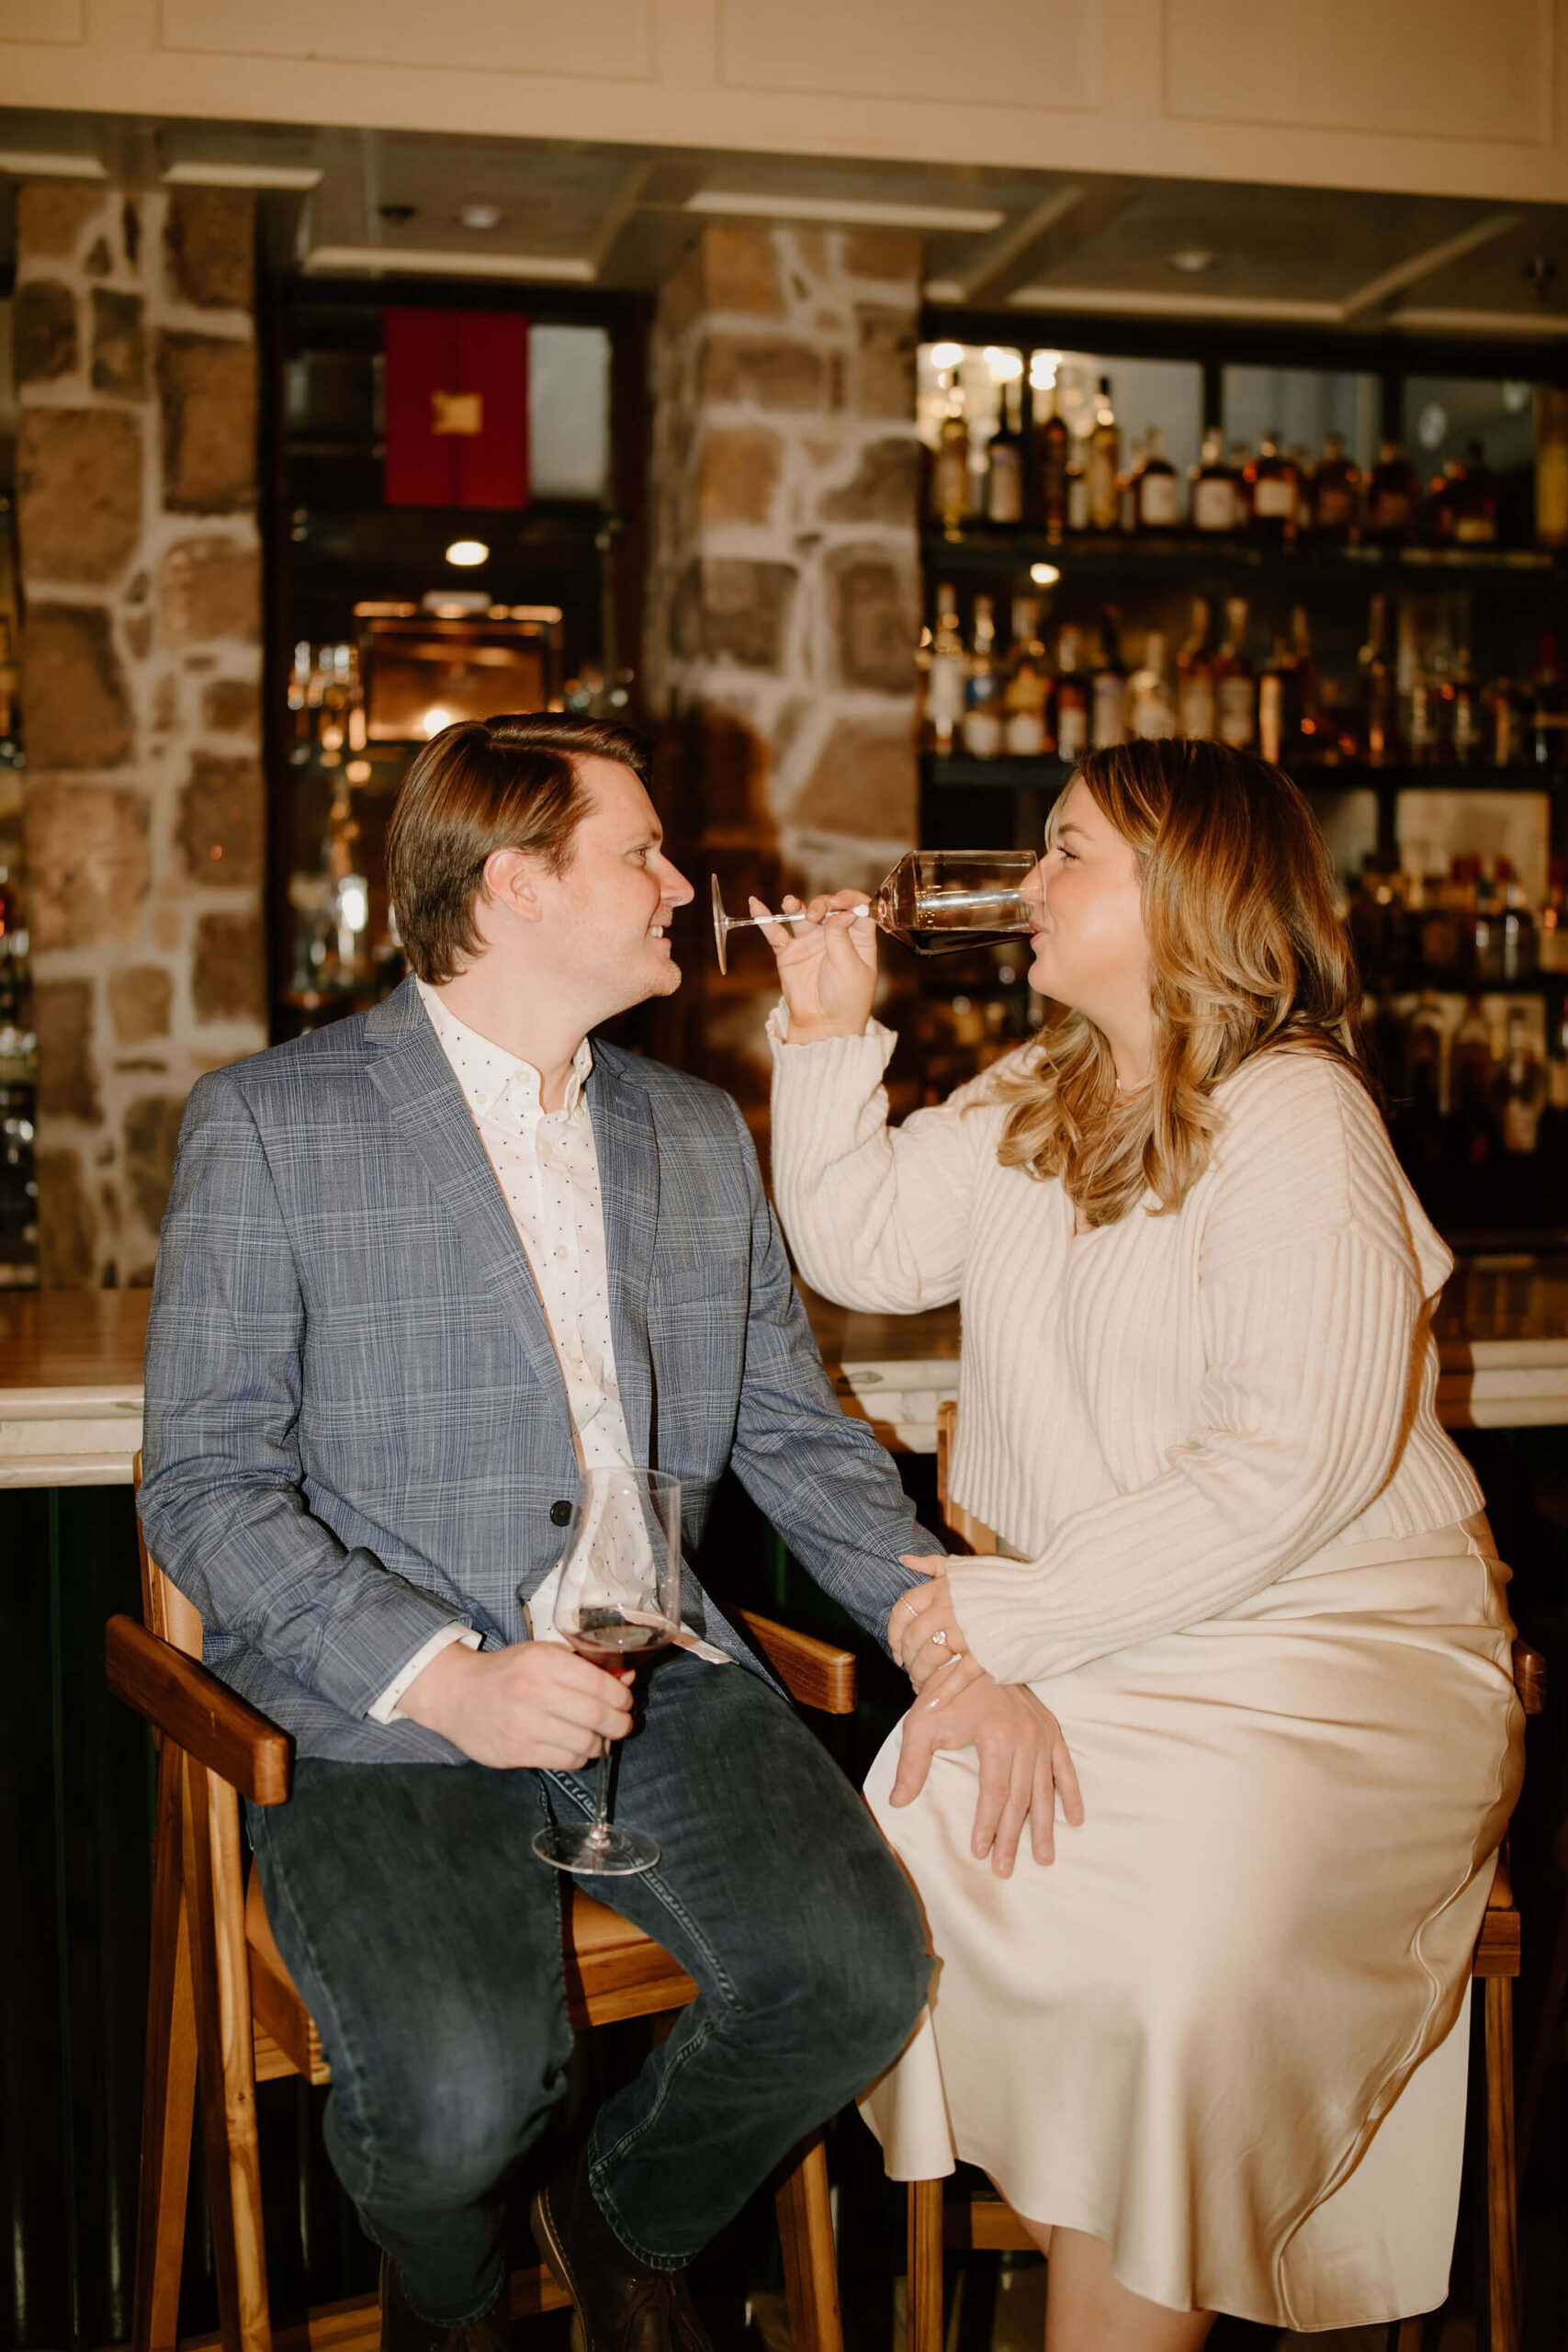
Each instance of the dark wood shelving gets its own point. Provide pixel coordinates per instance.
(1197, 554)
(958, 772)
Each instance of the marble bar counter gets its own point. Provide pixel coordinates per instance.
(71, 1367)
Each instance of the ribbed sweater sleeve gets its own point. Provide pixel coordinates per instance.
(877, 1217)
(1309, 1300)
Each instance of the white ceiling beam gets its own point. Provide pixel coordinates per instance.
(1426, 264)
(621, 208)
(1125, 302)
(297, 178)
(51, 166)
(1525, 325)
(852, 212)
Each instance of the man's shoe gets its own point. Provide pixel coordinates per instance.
(402, 2330)
(622, 2305)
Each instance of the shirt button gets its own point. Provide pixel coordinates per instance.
(559, 1514)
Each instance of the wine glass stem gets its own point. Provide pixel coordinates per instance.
(599, 1835)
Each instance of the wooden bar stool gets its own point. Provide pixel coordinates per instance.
(985, 2223)
(222, 2009)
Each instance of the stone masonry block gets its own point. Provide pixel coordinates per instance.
(229, 978)
(864, 782)
(745, 610)
(44, 330)
(68, 1224)
(210, 247)
(139, 1004)
(767, 371)
(220, 821)
(741, 268)
(208, 393)
(87, 863)
(894, 255)
(884, 361)
(67, 1073)
(51, 216)
(152, 1135)
(885, 487)
(79, 492)
(210, 587)
(874, 604)
(232, 706)
(75, 702)
(737, 473)
(120, 345)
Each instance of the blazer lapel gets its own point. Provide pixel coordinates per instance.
(417, 1083)
(628, 1185)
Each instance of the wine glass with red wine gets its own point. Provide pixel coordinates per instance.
(618, 1600)
(935, 900)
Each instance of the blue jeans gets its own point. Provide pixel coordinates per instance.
(425, 1936)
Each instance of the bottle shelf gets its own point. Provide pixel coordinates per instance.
(1386, 984)
(957, 771)
(1237, 561)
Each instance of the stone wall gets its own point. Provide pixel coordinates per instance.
(144, 827)
(785, 589)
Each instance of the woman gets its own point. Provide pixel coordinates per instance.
(1215, 2052)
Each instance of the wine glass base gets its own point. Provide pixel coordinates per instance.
(590, 1853)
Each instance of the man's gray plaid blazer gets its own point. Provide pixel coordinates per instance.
(357, 1428)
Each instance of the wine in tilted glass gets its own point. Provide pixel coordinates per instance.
(934, 900)
(618, 1600)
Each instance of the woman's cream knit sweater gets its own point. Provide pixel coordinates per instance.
(1165, 1415)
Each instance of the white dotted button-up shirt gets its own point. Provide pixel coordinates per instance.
(547, 1167)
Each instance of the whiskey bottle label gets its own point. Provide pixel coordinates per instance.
(1214, 506)
(1004, 486)
(1025, 735)
(1109, 711)
(1159, 501)
(1274, 499)
(1195, 708)
(1235, 706)
(1072, 729)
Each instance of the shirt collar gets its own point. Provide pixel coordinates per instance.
(486, 1071)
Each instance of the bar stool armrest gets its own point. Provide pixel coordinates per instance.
(188, 1706)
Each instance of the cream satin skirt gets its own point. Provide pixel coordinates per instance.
(1225, 2031)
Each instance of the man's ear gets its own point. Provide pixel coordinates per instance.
(511, 881)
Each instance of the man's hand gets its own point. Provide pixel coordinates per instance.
(536, 1703)
(1024, 1761)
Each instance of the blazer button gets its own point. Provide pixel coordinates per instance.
(559, 1514)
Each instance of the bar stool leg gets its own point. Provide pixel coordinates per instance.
(168, 2103)
(925, 2266)
(1502, 2226)
(806, 2235)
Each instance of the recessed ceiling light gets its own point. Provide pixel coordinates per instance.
(946, 355)
(1044, 575)
(1193, 260)
(468, 552)
(479, 216)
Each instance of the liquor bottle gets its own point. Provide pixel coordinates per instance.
(1521, 1086)
(1487, 930)
(1077, 492)
(1551, 1143)
(1314, 730)
(1301, 458)
(1472, 1073)
(1159, 487)
(1277, 738)
(1378, 701)
(1423, 737)
(1051, 449)
(1394, 498)
(1467, 728)
(1104, 462)
(950, 468)
(1151, 701)
(1109, 720)
(1336, 495)
(1235, 688)
(1505, 731)
(1026, 699)
(1195, 678)
(1520, 931)
(1127, 489)
(1553, 941)
(1240, 459)
(1215, 500)
(1424, 1045)
(1272, 483)
(982, 688)
(1549, 716)
(1072, 699)
(1004, 465)
(948, 674)
(1471, 504)
(1552, 467)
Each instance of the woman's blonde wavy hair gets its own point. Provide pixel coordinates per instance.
(1247, 956)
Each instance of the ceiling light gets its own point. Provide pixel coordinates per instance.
(479, 216)
(51, 166)
(301, 176)
(853, 211)
(460, 261)
(1193, 260)
(946, 355)
(1043, 367)
(1006, 367)
(466, 552)
(1044, 575)
(435, 718)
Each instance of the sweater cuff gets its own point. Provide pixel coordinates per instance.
(874, 1046)
(996, 1607)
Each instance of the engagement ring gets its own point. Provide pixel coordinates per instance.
(941, 1637)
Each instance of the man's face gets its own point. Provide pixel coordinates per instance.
(608, 913)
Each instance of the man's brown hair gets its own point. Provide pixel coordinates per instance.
(511, 782)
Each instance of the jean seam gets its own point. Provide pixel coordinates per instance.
(354, 2065)
(676, 1910)
(599, 2165)
(465, 2319)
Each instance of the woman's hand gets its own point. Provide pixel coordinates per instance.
(923, 1632)
(827, 964)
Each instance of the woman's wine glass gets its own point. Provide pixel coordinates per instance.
(934, 900)
(619, 1600)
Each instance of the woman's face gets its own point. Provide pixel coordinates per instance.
(1090, 948)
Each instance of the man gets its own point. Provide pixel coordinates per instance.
(418, 1271)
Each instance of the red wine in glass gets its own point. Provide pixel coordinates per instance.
(606, 1638)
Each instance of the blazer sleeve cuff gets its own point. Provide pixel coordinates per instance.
(360, 1658)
